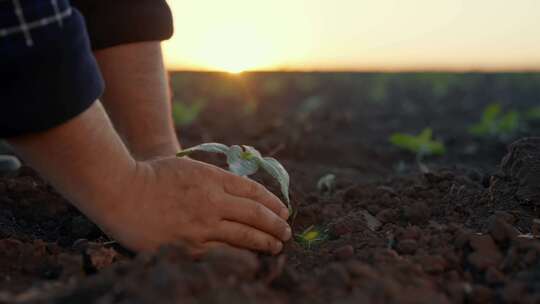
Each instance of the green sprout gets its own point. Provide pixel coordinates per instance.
(312, 236)
(422, 144)
(309, 106)
(327, 184)
(185, 115)
(495, 122)
(245, 161)
(533, 113)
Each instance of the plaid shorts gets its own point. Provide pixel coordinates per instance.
(48, 73)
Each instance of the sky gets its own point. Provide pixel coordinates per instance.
(241, 35)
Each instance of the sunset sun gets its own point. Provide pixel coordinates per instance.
(234, 48)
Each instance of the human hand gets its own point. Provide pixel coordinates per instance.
(171, 199)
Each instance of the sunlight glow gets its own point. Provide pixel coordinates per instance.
(234, 48)
(244, 35)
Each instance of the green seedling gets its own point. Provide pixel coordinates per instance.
(312, 236)
(185, 115)
(533, 114)
(309, 106)
(422, 144)
(327, 184)
(245, 161)
(495, 122)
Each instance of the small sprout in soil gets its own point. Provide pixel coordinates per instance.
(327, 184)
(309, 106)
(496, 123)
(185, 115)
(422, 145)
(533, 113)
(245, 161)
(312, 236)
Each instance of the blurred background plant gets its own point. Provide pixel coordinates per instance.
(184, 114)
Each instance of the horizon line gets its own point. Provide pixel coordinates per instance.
(378, 70)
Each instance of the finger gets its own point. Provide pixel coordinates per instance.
(245, 187)
(243, 236)
(254, 214)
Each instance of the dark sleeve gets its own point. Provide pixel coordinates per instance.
(48, 76)
(115, 22)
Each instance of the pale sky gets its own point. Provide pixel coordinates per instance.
(238, 35)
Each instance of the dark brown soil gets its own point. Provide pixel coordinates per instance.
(464, 232)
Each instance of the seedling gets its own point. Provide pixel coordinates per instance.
(495, 122)
(422, 145)
(533, 113)
(245, 161)
(185, 115)
(327, 184)
(309, 106)
(312, 236)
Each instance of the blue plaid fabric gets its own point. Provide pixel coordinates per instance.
(48, 73)
(19, 18)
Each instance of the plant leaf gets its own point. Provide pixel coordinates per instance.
(533, 113)
(405, 141)
(246, 161)
(276, 170)
(491, 113)
(238, 164)
(254, 152)
(208, 147)
(425, 135)
(327, 183)
(186, 114)
(509, 123)
(422, 144)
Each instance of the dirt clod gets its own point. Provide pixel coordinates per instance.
(345, 252)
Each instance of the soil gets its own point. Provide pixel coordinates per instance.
(465, 230)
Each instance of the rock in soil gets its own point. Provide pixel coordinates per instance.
(521, 167)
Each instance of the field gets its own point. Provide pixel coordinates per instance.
(394, 226)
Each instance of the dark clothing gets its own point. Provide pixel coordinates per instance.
(48, 74)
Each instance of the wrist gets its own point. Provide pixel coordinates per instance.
(156, 150)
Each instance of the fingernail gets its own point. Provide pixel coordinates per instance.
(288, 233)
(278, 247)
(284, 213)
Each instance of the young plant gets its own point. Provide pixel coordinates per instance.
(185, 115)
(422, 145)
(312, 236)
(245, 161)
(533, 113)
(495, 122)
(326, 184)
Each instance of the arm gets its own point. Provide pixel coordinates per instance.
(146, 204)
(137, 98)
(125, 36)
(83, 158)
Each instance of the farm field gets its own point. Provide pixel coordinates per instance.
(378, 221)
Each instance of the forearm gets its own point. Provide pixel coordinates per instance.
(137, 98)
(84, 159)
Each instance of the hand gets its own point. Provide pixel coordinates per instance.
(147, 204)
(172, 199)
